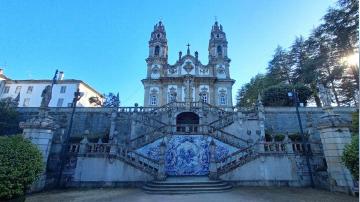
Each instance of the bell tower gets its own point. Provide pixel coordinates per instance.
(158, 43)
(217, 42)
(158, 52)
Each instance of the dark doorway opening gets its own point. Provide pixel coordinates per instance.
(187, 122)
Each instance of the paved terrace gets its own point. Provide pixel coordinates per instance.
(243, 194)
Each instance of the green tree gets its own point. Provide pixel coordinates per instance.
(248, 93)
(279, 69)
(9, 119)
(20, 165)
(111, 100)
(277, 95)
(350, 156)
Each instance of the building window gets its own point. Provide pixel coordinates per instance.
(153, 100)
(219, 50)
(7, 89)
(222, 99)
(204, 98)
(30, 89)
(26, 102)
(18, 89)
(63, 89)
(60, 102)
(157, 50)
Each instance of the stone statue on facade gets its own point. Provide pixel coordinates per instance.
(46, 96)
(325, 95)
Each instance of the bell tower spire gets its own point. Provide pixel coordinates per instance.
(217, 42)
(158, 43)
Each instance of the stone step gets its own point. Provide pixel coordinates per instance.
(186, 186)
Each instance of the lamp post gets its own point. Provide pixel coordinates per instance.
(295, 96)
(77, 97)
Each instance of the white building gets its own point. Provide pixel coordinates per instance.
(62, 93)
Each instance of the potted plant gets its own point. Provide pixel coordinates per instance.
(20, 165)
(279, 137)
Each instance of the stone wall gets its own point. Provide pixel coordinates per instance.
(106, 172)
(284, 119)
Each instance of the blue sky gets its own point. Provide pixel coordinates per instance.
(105, 43)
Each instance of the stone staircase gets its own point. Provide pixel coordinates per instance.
(226, 137)
(186, 185)
(223, 121)
(112, 152)
(139, 161)
(236, 159)
(148, 138)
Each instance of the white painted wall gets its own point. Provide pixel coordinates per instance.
(35, 96)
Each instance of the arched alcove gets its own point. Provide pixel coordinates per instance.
(187, 122)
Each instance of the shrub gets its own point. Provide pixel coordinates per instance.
(350, 157)
(268, 137)
(279, 137)
(9, 119)
(295, 137)
(20, 165)
(355, 123)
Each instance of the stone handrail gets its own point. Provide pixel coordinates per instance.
(150, 137)
(137, 160)
(236, 160)
(227, 137)
(274, 147)
(223, 121)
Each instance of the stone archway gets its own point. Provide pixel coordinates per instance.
(187, 122)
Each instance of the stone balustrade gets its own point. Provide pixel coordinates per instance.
(137, 160)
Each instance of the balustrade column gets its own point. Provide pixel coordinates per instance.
(334, 134)
(83, 145)
(161, 171)
(40, 131)
(212, 166)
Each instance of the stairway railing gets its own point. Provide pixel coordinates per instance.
(134, 159)
(236, 160)
(223, 121)
(226, 137)
(150, 137)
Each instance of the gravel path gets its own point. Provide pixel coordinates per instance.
(258, 194)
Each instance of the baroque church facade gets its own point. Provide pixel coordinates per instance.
(189, 127)
(188, 79)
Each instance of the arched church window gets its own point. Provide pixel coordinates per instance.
(157, 50)
(222, 99)
(204, 98)
(219, 50)
(153, 100)
(158, 35)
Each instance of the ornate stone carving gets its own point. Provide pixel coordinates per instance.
(188, 67)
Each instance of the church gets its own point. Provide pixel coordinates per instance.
(188, 137)
(188, 79)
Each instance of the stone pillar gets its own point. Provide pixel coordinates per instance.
(288, 143)
(161, 172)
(334, 134)
(83, 145)
(212, 166)
(112, 124)
(40, 131)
